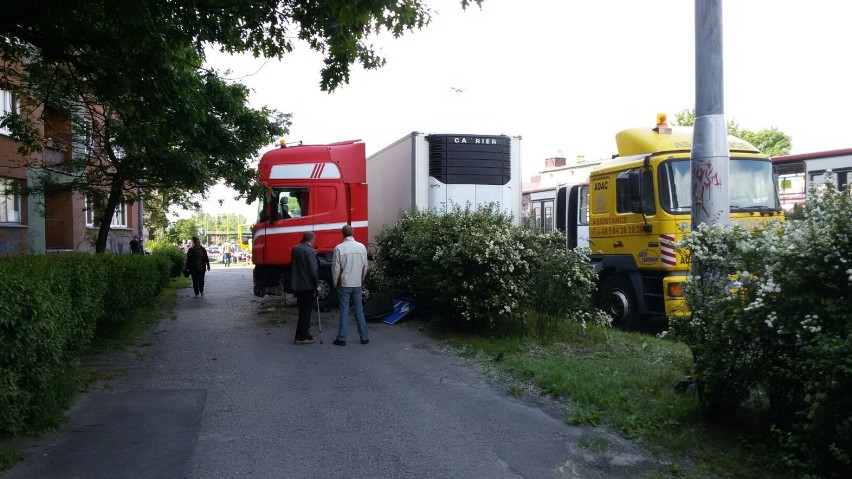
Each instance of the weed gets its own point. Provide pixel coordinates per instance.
(593, 444)
(516, 390)
(9, 455)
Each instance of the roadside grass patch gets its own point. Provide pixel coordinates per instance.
(9, 456)
(625, 381)
(593, 444)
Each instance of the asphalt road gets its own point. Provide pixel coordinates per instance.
(218, 389)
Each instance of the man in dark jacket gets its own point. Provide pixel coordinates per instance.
(304, 279)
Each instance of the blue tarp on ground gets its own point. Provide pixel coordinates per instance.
(401, 307)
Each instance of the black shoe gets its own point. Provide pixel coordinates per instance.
(338, 342)
(309, 337)
(365, 341)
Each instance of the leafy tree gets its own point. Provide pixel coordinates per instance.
(771, 141)
(203, 132)
(338, 28)
(685, 117)
(130, 75)
(185, 229)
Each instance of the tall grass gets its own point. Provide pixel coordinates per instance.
(636, 384)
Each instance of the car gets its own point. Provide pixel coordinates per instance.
(240, 255)
(214, 252)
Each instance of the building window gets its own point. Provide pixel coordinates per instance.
(8, 104)
(89, 137)
(90, 212)
(83, 144)
(10, 201)
(119, 218)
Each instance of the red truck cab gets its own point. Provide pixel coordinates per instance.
(317, 188)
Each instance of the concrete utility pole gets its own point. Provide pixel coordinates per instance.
(710, 155)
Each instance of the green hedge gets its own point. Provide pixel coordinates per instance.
(176, 256)
(51, 309)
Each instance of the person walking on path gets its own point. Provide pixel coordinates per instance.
(197, 264)
(136, 246)
(304, 278)
(348, 268)
(227, 250)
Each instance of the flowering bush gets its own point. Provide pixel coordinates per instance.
(474, 266)
(771, 314)
(561, 284)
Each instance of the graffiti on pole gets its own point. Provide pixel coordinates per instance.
(704, 180)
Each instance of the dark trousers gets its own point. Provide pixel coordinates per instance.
(306, 305)
(198, 281)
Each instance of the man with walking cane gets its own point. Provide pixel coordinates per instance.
(304, 279)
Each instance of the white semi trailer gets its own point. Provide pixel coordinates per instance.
(439, 170)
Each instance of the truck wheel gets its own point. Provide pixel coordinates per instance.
(326, 294)
(616, 298)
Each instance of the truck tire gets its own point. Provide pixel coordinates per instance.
(616, 298)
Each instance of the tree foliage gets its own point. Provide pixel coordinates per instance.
(771, 141)
(131, 76)
(340, 29)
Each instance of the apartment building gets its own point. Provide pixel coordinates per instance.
(54, 221)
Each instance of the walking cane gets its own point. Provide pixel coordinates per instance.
(319, 320)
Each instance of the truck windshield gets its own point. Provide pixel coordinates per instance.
(751, 188)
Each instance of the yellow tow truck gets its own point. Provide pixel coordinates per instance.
(638, 205)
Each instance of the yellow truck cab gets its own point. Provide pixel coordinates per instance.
(640, 205)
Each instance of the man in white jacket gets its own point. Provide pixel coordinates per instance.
(348, 269)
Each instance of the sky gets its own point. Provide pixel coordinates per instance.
(566, 76)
